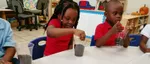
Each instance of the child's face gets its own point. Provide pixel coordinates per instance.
(69, 18)
(114, 13)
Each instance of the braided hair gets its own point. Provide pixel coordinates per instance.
(61, 8)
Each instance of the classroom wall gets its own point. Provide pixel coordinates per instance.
(132, 5)
(89, 20)
(3, 4)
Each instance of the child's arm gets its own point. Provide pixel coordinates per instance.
(101, 41)
(127, 38)
(143, 46)
(9, 54)
(126, 41)
(70, 45)
(57, 32)
(115, 29)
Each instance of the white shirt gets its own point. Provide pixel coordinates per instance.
(146, 32)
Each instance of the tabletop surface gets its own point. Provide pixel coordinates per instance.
(94, 55)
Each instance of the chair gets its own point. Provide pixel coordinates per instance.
(41, 6)
(9, 4)
(92, 41)
(21, 15)
(135, 39)
(37, 49)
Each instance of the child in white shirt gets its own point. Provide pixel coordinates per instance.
(145, 41)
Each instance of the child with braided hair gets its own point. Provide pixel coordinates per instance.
(62, 26)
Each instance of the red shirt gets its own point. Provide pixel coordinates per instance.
(54, 45)
(101, 30)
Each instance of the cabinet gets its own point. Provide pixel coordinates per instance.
(138, 22)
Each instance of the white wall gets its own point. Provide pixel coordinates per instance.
(89, 20)
(134, 5)
(3, 4)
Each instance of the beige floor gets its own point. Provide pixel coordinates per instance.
(25, 36)
(22, 38)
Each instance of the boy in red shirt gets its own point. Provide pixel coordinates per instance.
(107, 33)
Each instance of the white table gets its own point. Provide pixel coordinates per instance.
(94, 55)
(144, 59)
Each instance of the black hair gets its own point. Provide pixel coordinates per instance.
(61, 1)
(108, 4)
(61, 8)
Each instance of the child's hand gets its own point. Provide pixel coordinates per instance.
(5, 62)
(129, 27)
(117, 28)
(80, 34)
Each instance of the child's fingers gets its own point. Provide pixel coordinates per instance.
(117, 24)
(82, 36)
(119, 30)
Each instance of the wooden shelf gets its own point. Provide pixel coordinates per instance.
(138, 25)
(137, 20)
